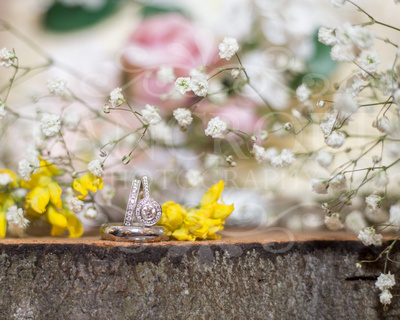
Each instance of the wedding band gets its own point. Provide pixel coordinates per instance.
(131, 206)
(134, 233)
(148, 211)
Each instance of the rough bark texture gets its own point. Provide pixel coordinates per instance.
(207, 280)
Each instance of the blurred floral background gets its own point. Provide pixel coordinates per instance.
(73, 53)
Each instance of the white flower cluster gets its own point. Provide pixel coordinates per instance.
(28, 166)
(50, 124)
(335, 183)
(333, 222)
(385, 282)
(95, 167)
(6, 58)
(282, 160)
(373, 202)
(151, 115)
(194, 177)
(369, 237)
(198, 83)
(91, 213)
(71, 120)
(74, 204)
(216, 128)
(183, 116)
(57, 86)
(166, 74)
(303, 93)
(228, 47)
(348, 41)
(116, 98)
(5, 179)
(16, 221)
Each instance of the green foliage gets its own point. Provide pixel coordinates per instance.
(151, 10)
(63, 18)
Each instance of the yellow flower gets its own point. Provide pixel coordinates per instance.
(62, 221)
(87, 182)
(43, 189)
(6, 201)
(196, 223)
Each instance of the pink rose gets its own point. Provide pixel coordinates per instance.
(169, 40)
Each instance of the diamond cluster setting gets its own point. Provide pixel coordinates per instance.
(148, 211)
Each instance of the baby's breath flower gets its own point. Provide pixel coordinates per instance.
(344, 52)
(91, 213)
(5, 179)
(194, 177)
(211, 160)
(74, 204)
(385, 297)
(327, 36)
(235, 73)
(362, 37)
(369, 62)
(373, 202)
(28, 166)
(126, 159)
(324, 158)
(116, 98)
(320, 104)
(355, 221)
(382, 124)
(353, 85)
(182, 84)
(284, 160)
(338, 182)
(395, 215)
(71, 120)
(335, 140)
(327, 123)
(50, 124)
(228, 47)
(151, 114)
(345, 104)
(95, 167)
(287, 126)
(3, 111)
(216, 128)
(258, 153)
(369, 237)
(385, 281)
(199, 86)
(106, 109)
(303, 93)
(166, 74)
(57, 86)
(381, 180)
(333, 222)
(6, 58)
(16, 222)
(319, 186)
(183, 116)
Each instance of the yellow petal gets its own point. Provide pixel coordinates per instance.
(75, 226)
(57, 231)
(213, 194)
(48, 168)
(38, 199)
(87, 182)
(55, 194)
(56, 218)
(222, 211)
(182, 234)
(3, 224)
(172, 216)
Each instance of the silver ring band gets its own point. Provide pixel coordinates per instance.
(134, 233)
(131, 206)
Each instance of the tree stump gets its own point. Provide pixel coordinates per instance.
(309, 278)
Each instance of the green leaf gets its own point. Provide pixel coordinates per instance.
(151, 10)
(321, 62)
(64, 18)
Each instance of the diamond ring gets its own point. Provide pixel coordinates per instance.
(131, 206)
(148, 211)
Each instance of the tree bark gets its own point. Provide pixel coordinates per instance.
(243, 279)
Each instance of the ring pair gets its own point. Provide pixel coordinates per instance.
(147, 211)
